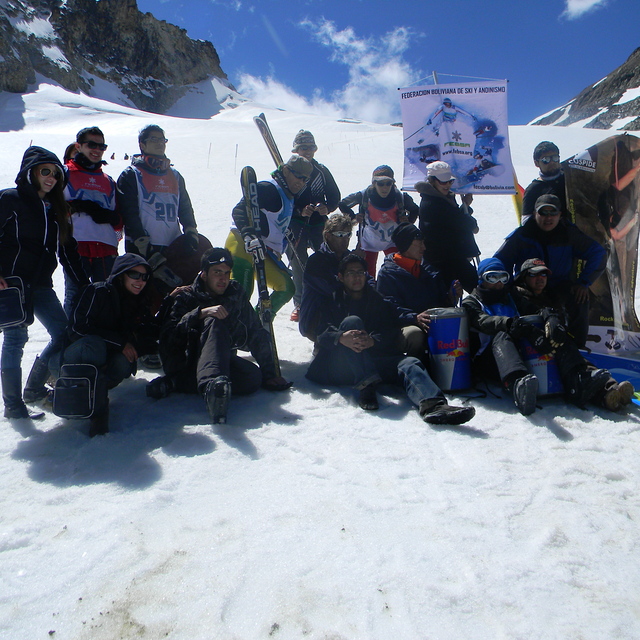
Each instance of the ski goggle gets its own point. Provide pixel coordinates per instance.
(493, 277)
(95, 145)
(137, 275)
(341, 234)
(548, 159)
(45, 171)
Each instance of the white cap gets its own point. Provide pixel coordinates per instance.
(440, 170)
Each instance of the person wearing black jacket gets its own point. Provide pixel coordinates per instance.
(311, 206)
(110, 328)
(447, 228)
(206, 323)
(414, 286)
(34, 233)
(358, 346)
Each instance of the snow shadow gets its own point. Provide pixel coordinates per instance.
(66, 456)
(12, 107)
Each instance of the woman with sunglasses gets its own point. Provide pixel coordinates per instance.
(35, 233)
(447, 228)
(111, 327)
(381, 208)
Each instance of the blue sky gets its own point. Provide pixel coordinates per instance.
(347, 57)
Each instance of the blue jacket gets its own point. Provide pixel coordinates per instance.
(560, 249)
(410, 294)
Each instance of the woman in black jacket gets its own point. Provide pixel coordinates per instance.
(447, 228)
(34, 233)
(111, 327)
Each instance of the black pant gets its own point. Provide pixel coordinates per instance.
(218, 358)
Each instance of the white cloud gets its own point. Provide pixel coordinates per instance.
(577, 8)
(376, 70)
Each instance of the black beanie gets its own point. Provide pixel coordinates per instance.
(404, 234)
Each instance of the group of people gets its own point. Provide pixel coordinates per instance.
(368, 326)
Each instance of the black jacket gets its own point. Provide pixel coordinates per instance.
(380, 320)
(29, 235)
(321, 189)
(108, 310)
(180, 333)
(447, 231)
(540, 187)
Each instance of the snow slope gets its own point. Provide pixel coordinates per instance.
(306, 517)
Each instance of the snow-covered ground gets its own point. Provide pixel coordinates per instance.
(306, 517)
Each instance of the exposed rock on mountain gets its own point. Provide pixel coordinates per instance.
(611, 103)
(106, 49)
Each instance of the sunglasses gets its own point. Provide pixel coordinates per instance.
(384, 183)
(493, 277)
(548, 159)
(341, 234)
(306, 148)
(95, 145)
(550, 212)
(297, 175)
(47, 172)
(540, 274)
(446, 181)
(355, 274)
(155, 140)
(137, 275)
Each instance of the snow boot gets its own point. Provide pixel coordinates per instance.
(367, 398)
(618, 396)
(585, 384)
(217, 396)
(525, 393)
(34, 389)
(100, 421)
(14, 406)
(438, 411)
(160, 388)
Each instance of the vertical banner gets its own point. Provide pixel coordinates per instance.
(603, 199)
(464, 125)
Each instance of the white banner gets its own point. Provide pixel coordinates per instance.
(464, 125)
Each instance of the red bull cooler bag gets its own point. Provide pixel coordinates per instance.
(448, 341)
(544, 367)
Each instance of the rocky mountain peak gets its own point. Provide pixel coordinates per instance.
(80, 43)
(611, 103)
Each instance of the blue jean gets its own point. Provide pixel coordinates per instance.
(341, 366)
(97, 270)
(48, 310)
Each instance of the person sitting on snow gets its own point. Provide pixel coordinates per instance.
(321, 273)
(495, 316)
(407, 281)
(357, 346)
(206, 323)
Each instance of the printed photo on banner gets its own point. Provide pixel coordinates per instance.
(603, 199)
(466, 126)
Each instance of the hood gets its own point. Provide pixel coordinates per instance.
(425, 188)
(125, 262)
(32, 157)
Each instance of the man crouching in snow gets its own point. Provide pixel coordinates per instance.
(204, 326)
(358, 335)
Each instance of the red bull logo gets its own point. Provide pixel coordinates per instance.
(453, 345)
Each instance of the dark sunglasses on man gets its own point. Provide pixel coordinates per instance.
(544, 212)
(137, 275)
(341, 234)
(95, 145)
(548, 159)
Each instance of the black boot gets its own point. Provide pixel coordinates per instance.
(585, 384)
(35, 390)
(437, 411)
(160, 388)
(525, 392)
(368, 400)
(14, 406)
(100, 421)
(217, 396)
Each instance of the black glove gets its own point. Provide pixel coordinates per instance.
(555, 332)
(519, 328)
(192, 239)
(98, 214)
